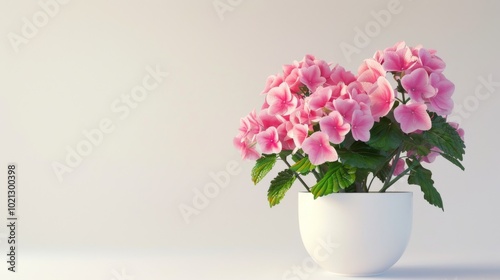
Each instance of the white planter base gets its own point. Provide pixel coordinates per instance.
(356, 234)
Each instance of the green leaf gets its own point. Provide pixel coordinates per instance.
(262, 166)
(445, 137)
(362, 173)
(385, 135)
(383, 173)
(303, 166)
(279, 186)
(423, 178)
(453, 160)
(417, 143)
(297, 156)
(361, 155)
(283, 154)
(338, 176)
(348, 141)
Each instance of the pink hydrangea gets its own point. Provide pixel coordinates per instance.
(311, 77)
(298, 134)
(320, 98)
(318, 148)
(272, 82)
(418, 86)
(291, 76)
(312, 105)
(268, 141)
(249, 126)
(441, 103)
(412, 117)
(369, 72)
(360, 125)
(400, 167)
(335, 127)
(246, 148)
(340, 75)
(281, 101)
(428, 60)
(381, 98)
(459, 130)
(398, 58)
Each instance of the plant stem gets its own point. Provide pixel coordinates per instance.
(401, 89)
(314, 172)
(359, 186)
(316, 175)
(370, 184)
(415, 163)
(375, 173)
(393, 167)
(298, 175)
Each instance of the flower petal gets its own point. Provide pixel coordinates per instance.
(318, 148)
(412, 117)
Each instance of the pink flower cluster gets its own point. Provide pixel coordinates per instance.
(421, 76)
(312, 104)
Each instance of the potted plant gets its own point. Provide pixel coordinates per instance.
(348, 130)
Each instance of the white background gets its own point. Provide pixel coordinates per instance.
(116, 215)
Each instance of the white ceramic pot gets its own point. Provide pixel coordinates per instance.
(356, 234)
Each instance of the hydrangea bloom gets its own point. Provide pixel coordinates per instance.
(312, 91)
(412, 117)
(417, 85)
(335, 127)
(318, 147)
(280, 100)
(318, 110)
(268, 140)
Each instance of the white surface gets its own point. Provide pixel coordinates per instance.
(125, 195)
(231, 264)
